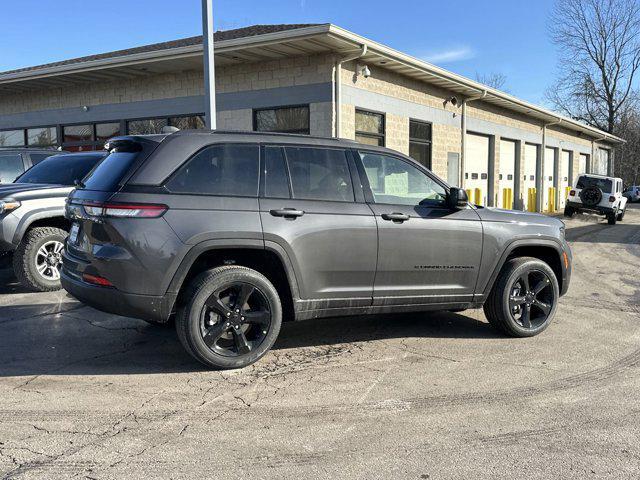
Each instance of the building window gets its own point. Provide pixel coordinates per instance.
(77, 133)
(92, 136)
(282, 120)
(193, 122)
(78, 138)
(105, 131)
(12, 138)
(42, 137)
(370, 128)
(420, 142)
(148, 126)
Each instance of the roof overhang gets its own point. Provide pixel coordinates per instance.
(274, 46)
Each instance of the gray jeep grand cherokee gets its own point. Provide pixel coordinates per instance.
(235, 231)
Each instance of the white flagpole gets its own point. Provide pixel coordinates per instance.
(209, 66)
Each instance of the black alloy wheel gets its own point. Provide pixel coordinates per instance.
(531, 299)
(229, 317)
(524, 298)
(235, 319)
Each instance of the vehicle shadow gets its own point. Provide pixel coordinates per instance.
(71, 339)
(620, 233)
(9, 283)
(330, 331)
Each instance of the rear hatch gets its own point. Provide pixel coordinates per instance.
(126, 155)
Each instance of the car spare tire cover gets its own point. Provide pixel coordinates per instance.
(591, 196)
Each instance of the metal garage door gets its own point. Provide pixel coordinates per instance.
(506, 182)
(582, 163)
(528, 173)
(548, 172)
(602, 162)
(477, 166)
(563, 181)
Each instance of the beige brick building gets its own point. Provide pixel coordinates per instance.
(311, 79)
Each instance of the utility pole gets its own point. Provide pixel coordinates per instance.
(209, 66)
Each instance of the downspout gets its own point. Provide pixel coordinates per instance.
(463, 146)
(540, 169)
(337, 89)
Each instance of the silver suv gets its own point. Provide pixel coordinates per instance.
(234, 232)
(32, 223)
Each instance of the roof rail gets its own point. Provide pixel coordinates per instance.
(276, 134)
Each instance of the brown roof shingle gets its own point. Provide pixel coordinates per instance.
(250, 31)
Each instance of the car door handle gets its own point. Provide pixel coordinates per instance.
(395, 217)
(286, 212)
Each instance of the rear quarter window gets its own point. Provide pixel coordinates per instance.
(222, 170)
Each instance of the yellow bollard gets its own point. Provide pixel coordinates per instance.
(552, 200)
(566, 192)
(507, 199)
(478, 196)
(470, 194)
(531, 205)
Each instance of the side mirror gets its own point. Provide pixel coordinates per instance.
(457, 198)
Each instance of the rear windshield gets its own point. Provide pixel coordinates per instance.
(108, 174)
(60, 169)
(602, 183)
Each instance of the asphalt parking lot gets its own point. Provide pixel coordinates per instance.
(89, 395)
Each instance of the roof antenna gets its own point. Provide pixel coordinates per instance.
(169, 129)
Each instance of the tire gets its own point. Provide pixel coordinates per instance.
(27, 254)
(569, 212)
(611, 218)
(621, 214)
(498, 309)
(209, 286)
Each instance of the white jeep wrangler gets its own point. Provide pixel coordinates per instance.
(597, 194)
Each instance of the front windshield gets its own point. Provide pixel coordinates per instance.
(60, 169)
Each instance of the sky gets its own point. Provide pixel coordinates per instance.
(468, 37)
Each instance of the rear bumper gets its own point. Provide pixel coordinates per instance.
(597, 209)
(111, 300)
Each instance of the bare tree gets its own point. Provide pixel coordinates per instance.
(599, 43)
(627, 163)
(493, 80)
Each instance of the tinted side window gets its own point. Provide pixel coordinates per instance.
(11, 166)
(276, 181)
(224, 169)
(319, 174)
(60, 169)
(394, 181)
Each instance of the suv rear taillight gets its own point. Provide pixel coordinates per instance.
(572, 193)
(123, 210)
(612, 198)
